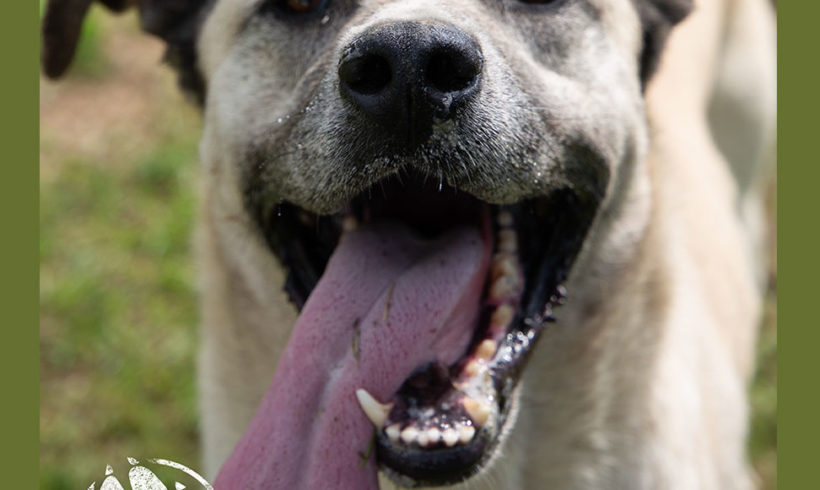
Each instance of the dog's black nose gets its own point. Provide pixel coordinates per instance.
(407, 76)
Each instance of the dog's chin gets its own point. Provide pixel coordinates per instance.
(440, 411)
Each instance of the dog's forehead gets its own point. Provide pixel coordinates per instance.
(466, 12)
(618, 18)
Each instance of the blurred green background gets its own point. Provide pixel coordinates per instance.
(117, 287)
(118, 316)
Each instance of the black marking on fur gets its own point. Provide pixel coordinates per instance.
(177, 22)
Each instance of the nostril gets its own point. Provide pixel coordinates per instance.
(407, 77)
(368, 74)
(451, 70)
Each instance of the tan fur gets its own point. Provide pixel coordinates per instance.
(641, 383)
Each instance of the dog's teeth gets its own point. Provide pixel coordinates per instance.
(349, 223)
(502, 316)
(507, 240)
(375, 411)
(393, 432)
(478, 411)
(505, 219)
(466, 433)
(473, 367)
(409, 434)
(450, 437)
(504, 266)
(423, 439)
(502, 288)
(433, 436)
(485, 350)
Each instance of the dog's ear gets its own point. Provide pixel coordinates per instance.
(657, 19)
(61, 31)
(174, 21)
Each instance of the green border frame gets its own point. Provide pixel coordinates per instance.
(19, 48)
(798, 176)
(799, 404)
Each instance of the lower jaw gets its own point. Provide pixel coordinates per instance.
(444, 424)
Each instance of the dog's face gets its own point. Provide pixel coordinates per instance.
(428, 173)
(551, 97)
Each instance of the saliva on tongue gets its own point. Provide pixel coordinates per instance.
(388, 302)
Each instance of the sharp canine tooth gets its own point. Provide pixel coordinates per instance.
(466, 433)
(375, 411)
(393, 432)
(478, 411)
(502, 316)
(433, 435)
(505, 219)
(485, 350)
(408, 435)
(472, 368)
(450, 437)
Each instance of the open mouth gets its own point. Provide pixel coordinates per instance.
(443, 319)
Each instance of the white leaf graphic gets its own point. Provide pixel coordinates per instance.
(142, 478)
(111, 483)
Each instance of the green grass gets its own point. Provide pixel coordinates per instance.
(118, 315)
(89, 59)
(763, 397)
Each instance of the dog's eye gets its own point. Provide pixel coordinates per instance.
(300, 6)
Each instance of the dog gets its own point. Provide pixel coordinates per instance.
(485, 244)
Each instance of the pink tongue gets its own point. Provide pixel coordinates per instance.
(388, 303)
